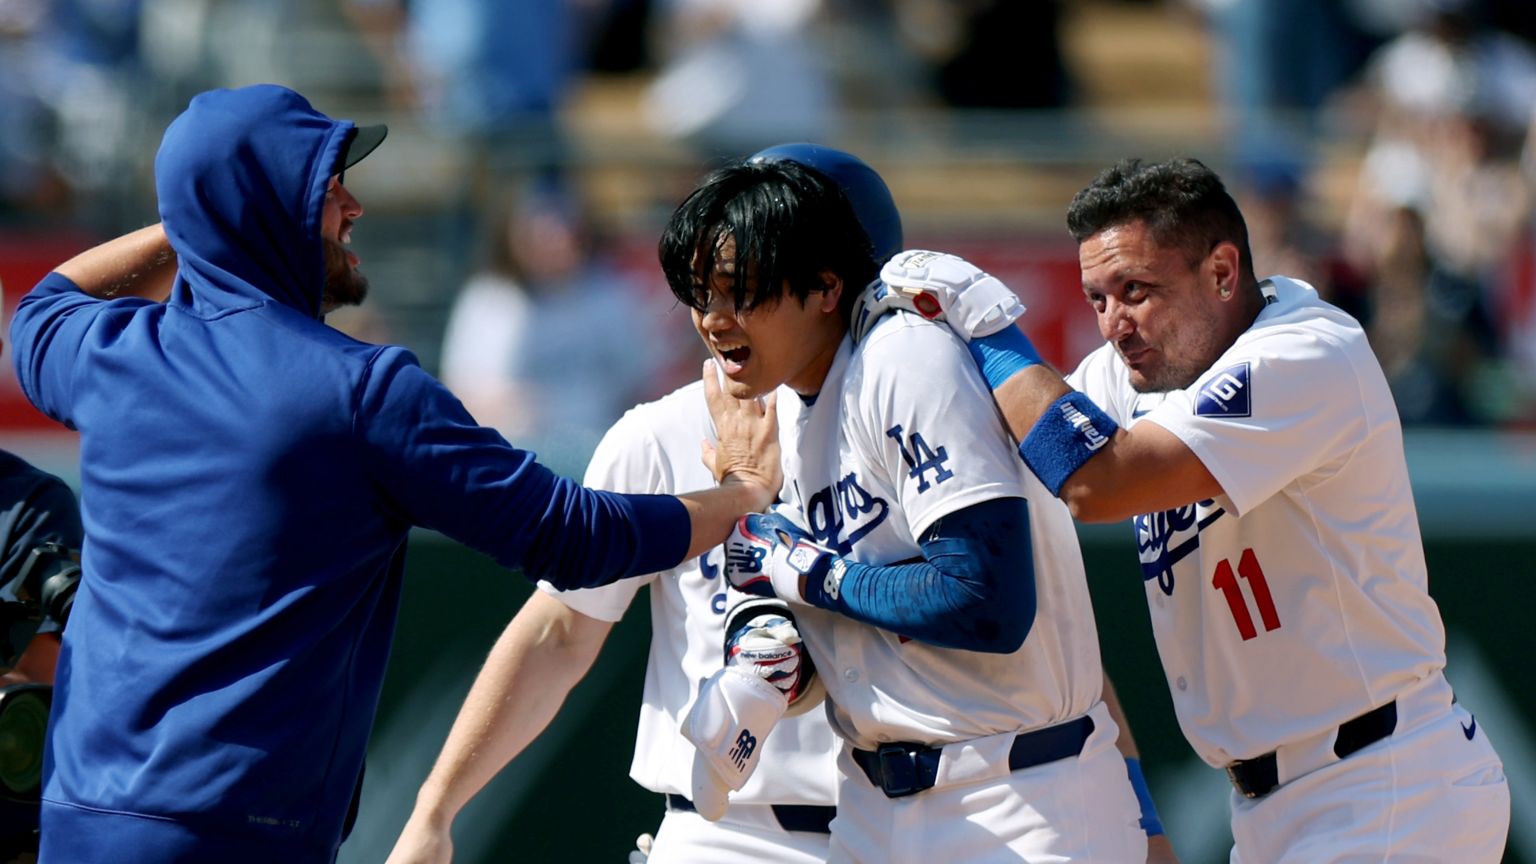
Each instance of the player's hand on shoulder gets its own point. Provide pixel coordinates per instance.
(939, 287)
(770, 556)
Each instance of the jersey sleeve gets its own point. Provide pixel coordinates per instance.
(930, 427)
(628, 459)
(1269, 410)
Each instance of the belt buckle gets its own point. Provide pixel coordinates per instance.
(898, 770)
(1238, 783)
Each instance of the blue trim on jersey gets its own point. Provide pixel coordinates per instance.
(1069, 433)
(1149, 821)
(973, 590)
(1003, 354)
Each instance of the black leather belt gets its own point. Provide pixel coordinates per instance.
(1257, 777)
(811, 818)
(905, 768)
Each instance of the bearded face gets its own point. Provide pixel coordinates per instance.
(345, 285)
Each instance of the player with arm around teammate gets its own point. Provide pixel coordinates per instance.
(962, 673)
(1247, 429)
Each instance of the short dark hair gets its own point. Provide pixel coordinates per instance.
(790, 223)
(1183, 203)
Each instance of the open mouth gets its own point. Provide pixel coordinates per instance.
(734, 358)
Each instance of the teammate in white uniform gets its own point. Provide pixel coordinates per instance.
(1260, 453)
(963, 673)
(783, 812)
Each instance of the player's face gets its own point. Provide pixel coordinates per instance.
(345, 285)
(1163, 315)
(786, 342)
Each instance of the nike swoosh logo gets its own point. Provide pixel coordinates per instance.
(1469, 731)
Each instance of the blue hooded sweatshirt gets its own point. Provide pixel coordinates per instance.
(248, 478)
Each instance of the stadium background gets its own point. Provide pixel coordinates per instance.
(983, 175)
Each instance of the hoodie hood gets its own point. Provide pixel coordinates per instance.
(241, 177)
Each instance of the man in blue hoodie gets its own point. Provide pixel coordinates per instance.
(248, 478)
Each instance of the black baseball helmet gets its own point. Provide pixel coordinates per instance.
(865, 190)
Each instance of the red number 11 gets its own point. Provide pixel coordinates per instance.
(1225, 581)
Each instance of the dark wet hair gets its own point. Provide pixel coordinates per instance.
(790, 223)
(1183, 203)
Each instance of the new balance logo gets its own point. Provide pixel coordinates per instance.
(833, 584)
(745, 557)
(746, 742)
(1092, 437)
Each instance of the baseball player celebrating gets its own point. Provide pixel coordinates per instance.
(1247, 428)
(962, 672)
(782, 812)
(781, 815)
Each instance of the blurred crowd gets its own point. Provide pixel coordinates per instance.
(1422, 111)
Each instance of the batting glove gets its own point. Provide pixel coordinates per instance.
(762, 638)
(770, 556)
(939, 287)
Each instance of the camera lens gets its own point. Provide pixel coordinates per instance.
(23, 723)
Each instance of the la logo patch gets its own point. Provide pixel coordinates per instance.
(1226, 394)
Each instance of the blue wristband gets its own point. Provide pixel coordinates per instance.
(1149, 821)
(1069, 433)
(1002, 354)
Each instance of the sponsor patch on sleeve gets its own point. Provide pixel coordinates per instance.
(1226, 394)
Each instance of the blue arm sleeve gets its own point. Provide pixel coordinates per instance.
(974, 588)
(1003, 354)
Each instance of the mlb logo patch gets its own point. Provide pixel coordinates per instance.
(1226, 394)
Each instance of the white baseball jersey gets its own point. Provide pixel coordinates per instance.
(654, 448)
(1297, 599)
(891, 444)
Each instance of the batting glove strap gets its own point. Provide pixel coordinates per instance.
(1069, 433)
(769, 556)
(948, 288)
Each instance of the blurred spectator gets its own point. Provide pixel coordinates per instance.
(1440, 206)
(67, 69)
(1278, 61)
(999, 54)
(549, 342)
(739, 75)
(491, 73)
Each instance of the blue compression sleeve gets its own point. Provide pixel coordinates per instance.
(970, 591)
(1002, 354)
